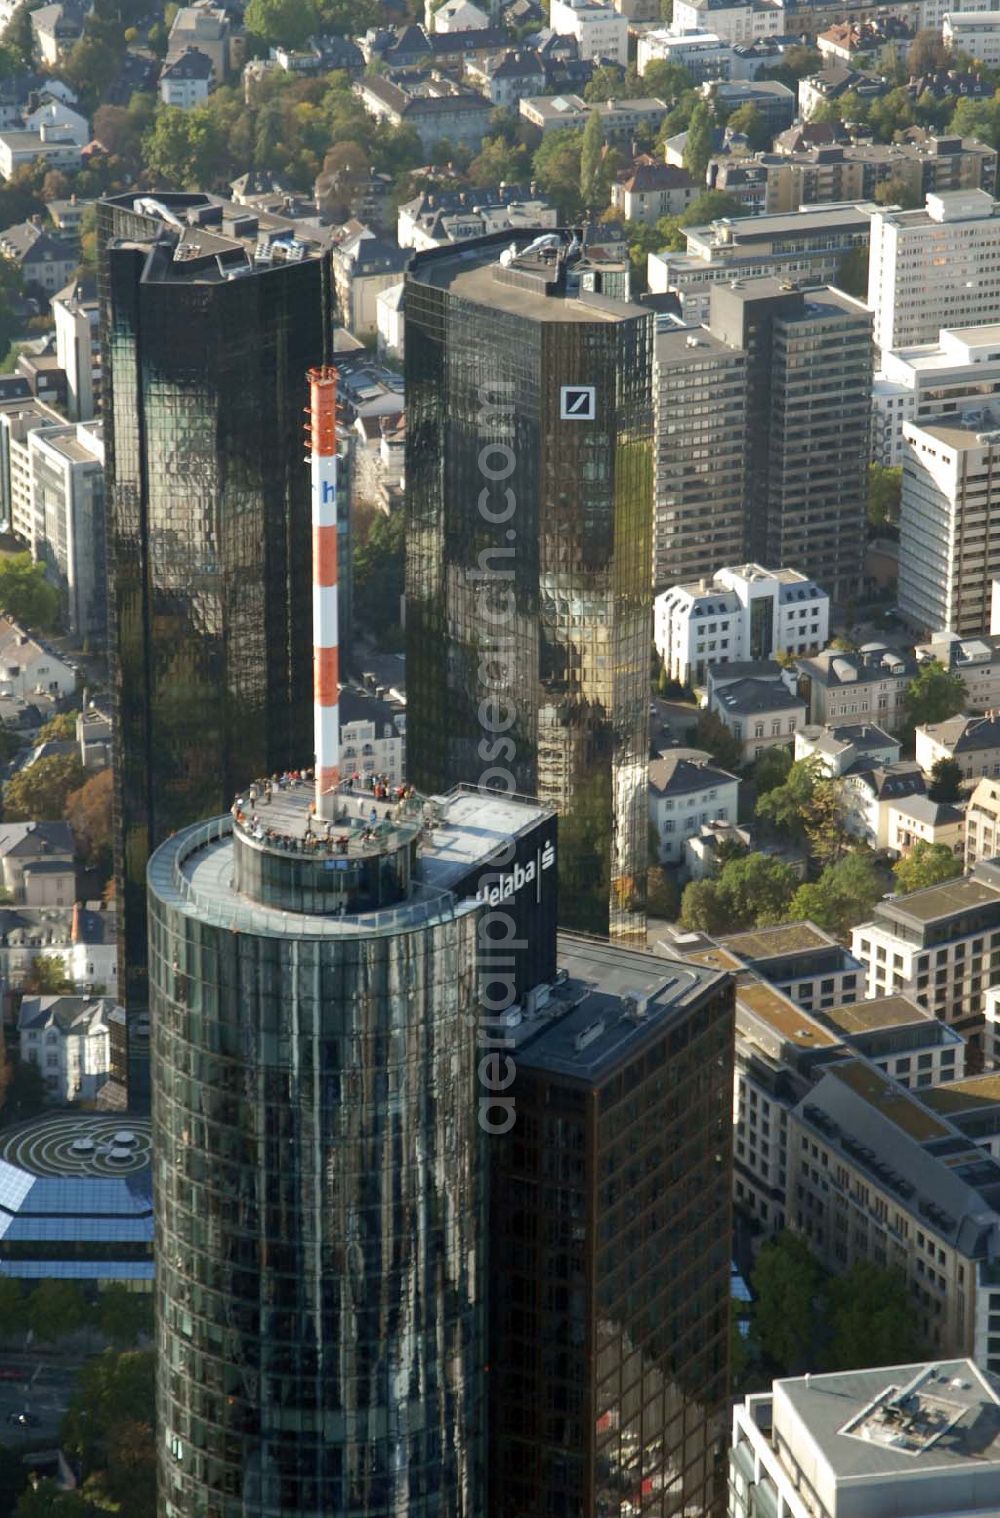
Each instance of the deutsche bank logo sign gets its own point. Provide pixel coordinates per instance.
(577, 403)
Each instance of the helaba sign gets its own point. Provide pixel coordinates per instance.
(508, 884)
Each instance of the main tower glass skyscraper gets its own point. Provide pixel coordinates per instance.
(211, 315)
(529, 581)
(320, 1149)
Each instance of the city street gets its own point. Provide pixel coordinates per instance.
(44, 1391)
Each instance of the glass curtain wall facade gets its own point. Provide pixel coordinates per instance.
(610, 1273)
(208, 533)
(319, 1198)
(529, 583)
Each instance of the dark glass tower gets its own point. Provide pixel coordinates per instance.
(210, 318)
(529, 584)
(610, 1246)
(320, 1151)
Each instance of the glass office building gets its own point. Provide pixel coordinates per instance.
(211, 316)
(610, 1246)
(319, 1162)
(529, 585)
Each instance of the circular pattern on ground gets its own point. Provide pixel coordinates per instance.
(45, 1147)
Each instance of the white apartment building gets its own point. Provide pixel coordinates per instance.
(704, 54)
(941, 945)
(974, 32)
(744, 612)
(68, 536)
(67, 1038)
(760, 714)
(934, 268)
(686, 791)
(78, 347)
(29, 666)
(982, 822)
(847, 746)
(973, 743)
(16, 425)
(918, 819)
(868, 686)
(977, 660)
(949, 546)
(372, 737)
(868, 796)
(600, 31)
(869, 1443)
(957, 373)
(733, 23)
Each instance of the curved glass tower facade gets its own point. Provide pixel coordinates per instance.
(319, 1172)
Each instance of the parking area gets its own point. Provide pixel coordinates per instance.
(41, 1388)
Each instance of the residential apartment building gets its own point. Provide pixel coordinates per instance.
(372, 737)
(653, 190)
(874, 1175)
(808, 410)
(207, 28)
(433, 218)
(67, 1038)
(941, 945)
(686, 791)
(982, 822)
(973, 743)
(772, 99)
(956, 375)
(976, 660)
(868, 795)
(838, 1437)
(600, 30)
(620, 119)
(933, 268)
(186, 78)
(733, 22)
(744, 612)
(807, 247)
(918, 819)
(704, 54)
(759, 714)
(808, 966)
(76, 312)
(37, 863)
(846, 746)
(435, 106)
(867, 686)
(700, 417)
(68, 537)
(901, 1039)
(974, 32)
(17, 422)
(949, 550)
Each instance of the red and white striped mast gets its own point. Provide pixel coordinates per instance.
(322, 432)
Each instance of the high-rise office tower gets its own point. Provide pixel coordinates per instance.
(808, 376)
(700, 406)
(529, 498)
(321, 1113)
(210, 316)
(610, 1244)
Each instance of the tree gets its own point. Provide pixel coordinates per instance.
(946, 780)
(926, 864)
(26, 595)
(557, 170)
(771, 769)
(605, 83)
(185, 148)
(787, 1281)
(379, 564)
(750, 123)
(977, 118)
(699, 141)
(807, 804)
(751, 890)
(345, 175)
(712, 734)
(25, 1092)
(927, 53)
(88, 812)
(46, 1499)
(47, 977)
(11, 1307)
(844, 894)
(57, 729)
(665, 81)
(712, 205)
(898, 192)
(39, 792)
(281, 21)
(123, 1315)
(662, 898)
(19, 36)
(870, 1319)
(885, 490)
(55, 1310)
(935, 694)
(592, 191)
(500, 161)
